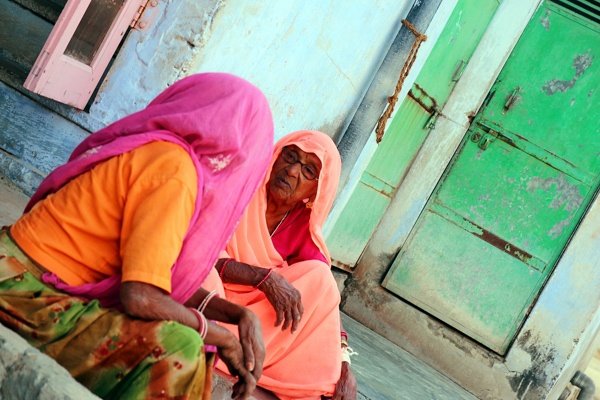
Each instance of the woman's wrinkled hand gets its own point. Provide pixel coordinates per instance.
(250, 332)
(232, 354)
(346, 387)
(285, 299)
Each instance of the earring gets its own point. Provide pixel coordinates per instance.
(309, 204)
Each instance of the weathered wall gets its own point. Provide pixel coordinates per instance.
(33, 139)
(564, 320)
(314, 60)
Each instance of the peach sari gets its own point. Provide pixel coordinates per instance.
(307, 363)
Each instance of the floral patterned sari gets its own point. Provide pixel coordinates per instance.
(113, 355)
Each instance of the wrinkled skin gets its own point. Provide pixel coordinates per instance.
(286, 301)
(250, 333)
(244, 358)
(232, 355)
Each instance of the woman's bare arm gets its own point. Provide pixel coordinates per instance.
(145, 301)
(283, 296)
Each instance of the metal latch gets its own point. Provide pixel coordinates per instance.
(142, 24)
(512, 100)
(430, 123)
(483, 139)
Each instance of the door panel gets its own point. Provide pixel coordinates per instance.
(373, 193)
(485, 310)
(408, 130)
(528, 205)
(564, 94)
(515, 190)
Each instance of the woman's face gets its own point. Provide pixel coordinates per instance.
(294, 176)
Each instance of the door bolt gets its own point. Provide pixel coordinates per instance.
(476, 137)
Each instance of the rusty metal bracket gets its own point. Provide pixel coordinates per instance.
(512, 100)
(458, 71)
(430, 123)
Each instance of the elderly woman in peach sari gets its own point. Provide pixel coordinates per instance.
(277, 265)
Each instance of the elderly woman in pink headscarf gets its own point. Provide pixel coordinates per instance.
(277, 265)
(102, 271)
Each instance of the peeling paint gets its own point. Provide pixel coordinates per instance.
(566, 194)
(557, 230)
(580, 63)
(546, 20)
(376, 300)
(457, 29)
(534, 376)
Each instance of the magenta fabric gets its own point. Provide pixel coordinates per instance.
(225, 124)
(293, 240)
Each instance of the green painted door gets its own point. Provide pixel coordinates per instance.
(408, 130)
(517, 187)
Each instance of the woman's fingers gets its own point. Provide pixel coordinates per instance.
(279, 313)
(288, 318)
(297, 316)
(286, 301)
(250, 333)
(244, 387)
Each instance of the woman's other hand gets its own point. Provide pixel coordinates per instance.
(346, 387)
(250, 332)
(231, 352)
(249, 328)
(285, 299)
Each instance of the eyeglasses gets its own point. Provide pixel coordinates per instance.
(308, 170)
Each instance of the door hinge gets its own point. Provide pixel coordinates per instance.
(137, 22)
(430, 123)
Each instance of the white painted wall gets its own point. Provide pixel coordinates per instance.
(313, 59)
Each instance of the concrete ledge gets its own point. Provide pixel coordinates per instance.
(223, 385)
(26, 373)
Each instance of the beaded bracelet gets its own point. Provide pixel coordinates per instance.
(265, 278)
(344, 335)
(208, 298)
(223, 267)
(203, 323)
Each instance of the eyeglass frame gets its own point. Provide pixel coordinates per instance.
(286, 150)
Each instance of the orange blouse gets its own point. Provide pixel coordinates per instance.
(127, 215)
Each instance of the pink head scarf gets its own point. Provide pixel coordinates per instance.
(225, 124)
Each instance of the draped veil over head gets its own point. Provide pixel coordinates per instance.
(225, 124)
(255, 246)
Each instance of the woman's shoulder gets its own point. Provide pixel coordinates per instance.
(161, 161)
